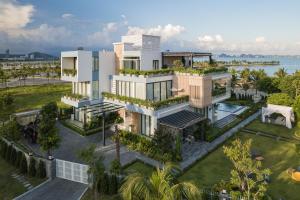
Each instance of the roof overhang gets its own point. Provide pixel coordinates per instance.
(194, 54)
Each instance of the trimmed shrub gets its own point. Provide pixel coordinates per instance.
(13, 157)
(32, 167)
(8, 153)
(41, 172)
(104, 184)
(115, 167)
(24, 165)
(4, 147)
(113, 184)
(19, 159)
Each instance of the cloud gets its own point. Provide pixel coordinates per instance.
(67, 16)
(104, 36)
(166, 32)
(14, 15)
(260, 39)
(210, 39)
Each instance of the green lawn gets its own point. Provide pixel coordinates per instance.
(32, 97)
(257, 125)
(9, 187)
(140, 167)
(279, 156)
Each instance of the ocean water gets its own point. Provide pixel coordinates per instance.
(291, 64)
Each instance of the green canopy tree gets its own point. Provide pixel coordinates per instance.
(161, 185)
(281, 73)
(48, 137)
(247, 173)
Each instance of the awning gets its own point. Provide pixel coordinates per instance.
(181, 119)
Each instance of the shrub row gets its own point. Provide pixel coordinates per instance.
(109, 184)
(18, 159)
(145, 145)
(72, 72)
(199, 71)
(147, 103)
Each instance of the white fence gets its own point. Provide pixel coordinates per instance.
(72, 171)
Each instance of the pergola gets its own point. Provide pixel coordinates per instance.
(100, 109)
(183, 54)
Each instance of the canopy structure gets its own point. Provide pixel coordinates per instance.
(100, 109)
(285, 111)
(181, 119)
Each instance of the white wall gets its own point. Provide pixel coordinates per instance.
(106, 70)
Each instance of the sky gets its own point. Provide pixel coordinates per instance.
(218, 26)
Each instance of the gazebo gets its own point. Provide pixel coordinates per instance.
(285, 111)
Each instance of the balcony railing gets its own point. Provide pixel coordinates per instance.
(69, 72)
(149, 104)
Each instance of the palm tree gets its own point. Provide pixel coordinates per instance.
(245, 75)
(234, 75)
(161, 185)
(96, 167)
(256, 75)
(281, 73)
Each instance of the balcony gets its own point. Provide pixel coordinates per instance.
(69, 75)
(220, 95)
(75, 100)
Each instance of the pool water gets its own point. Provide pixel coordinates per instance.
(228, 107)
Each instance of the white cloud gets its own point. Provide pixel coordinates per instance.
(67, 16)
(14, 15)
(166, 32)
(111, 27)
(104, 36)
(210, 39)
(297, 43)
(260, 39)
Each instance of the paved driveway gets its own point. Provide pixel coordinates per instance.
(57, 189)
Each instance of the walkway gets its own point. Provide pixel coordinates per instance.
(21, 179)
(204, 151)
(57, 189)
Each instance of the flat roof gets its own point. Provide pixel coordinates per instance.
(185, 53)
(181, 119)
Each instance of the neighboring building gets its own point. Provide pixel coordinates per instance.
(132, 77)
(34, 56)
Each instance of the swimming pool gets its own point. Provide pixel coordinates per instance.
(228, 107)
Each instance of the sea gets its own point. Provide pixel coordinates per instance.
(290, 63)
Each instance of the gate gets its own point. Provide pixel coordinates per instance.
(72, 171)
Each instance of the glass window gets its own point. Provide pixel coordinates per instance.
(95, 87)
(95, 64)
(163, 90)
(155, 64)
(150, 91)
(156, 93)
(145, 124)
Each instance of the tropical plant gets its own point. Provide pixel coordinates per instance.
(32, 167)
(247, 173)
(41, 170)
(281, 73)
(96, 167)
(161, 185)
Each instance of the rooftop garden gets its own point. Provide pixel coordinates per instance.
(199, 71)
(75, 97)
(147, 103)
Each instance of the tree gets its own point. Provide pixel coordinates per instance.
(245, 76)
(178, 63)
(48, 134)
(296, 86)
(247, 174)
(234, 77)
(32, 167)
(281, 73)
(162, 184)
(41, 172)
(117, 121)
(280, 99)
(296, 107)
(286, 85)
(11, 130)
(256, 75)
(96, 167)
(163, 140)
(267, 85)
(24, 165)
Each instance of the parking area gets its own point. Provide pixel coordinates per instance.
(57, 189)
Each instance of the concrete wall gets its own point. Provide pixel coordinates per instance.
(106, 70)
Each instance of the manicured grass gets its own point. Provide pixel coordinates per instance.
(140, 167)
(9, 187)
(279, 156)
(32, 97)
(279, 130)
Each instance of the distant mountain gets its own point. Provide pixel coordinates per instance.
(40, 56)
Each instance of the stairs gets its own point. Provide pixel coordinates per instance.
(226, 120)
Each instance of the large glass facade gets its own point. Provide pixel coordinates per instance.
(131, 63)
(159, 91)
(95, 89)
(145, 124)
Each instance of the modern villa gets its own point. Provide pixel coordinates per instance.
(141, 83)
